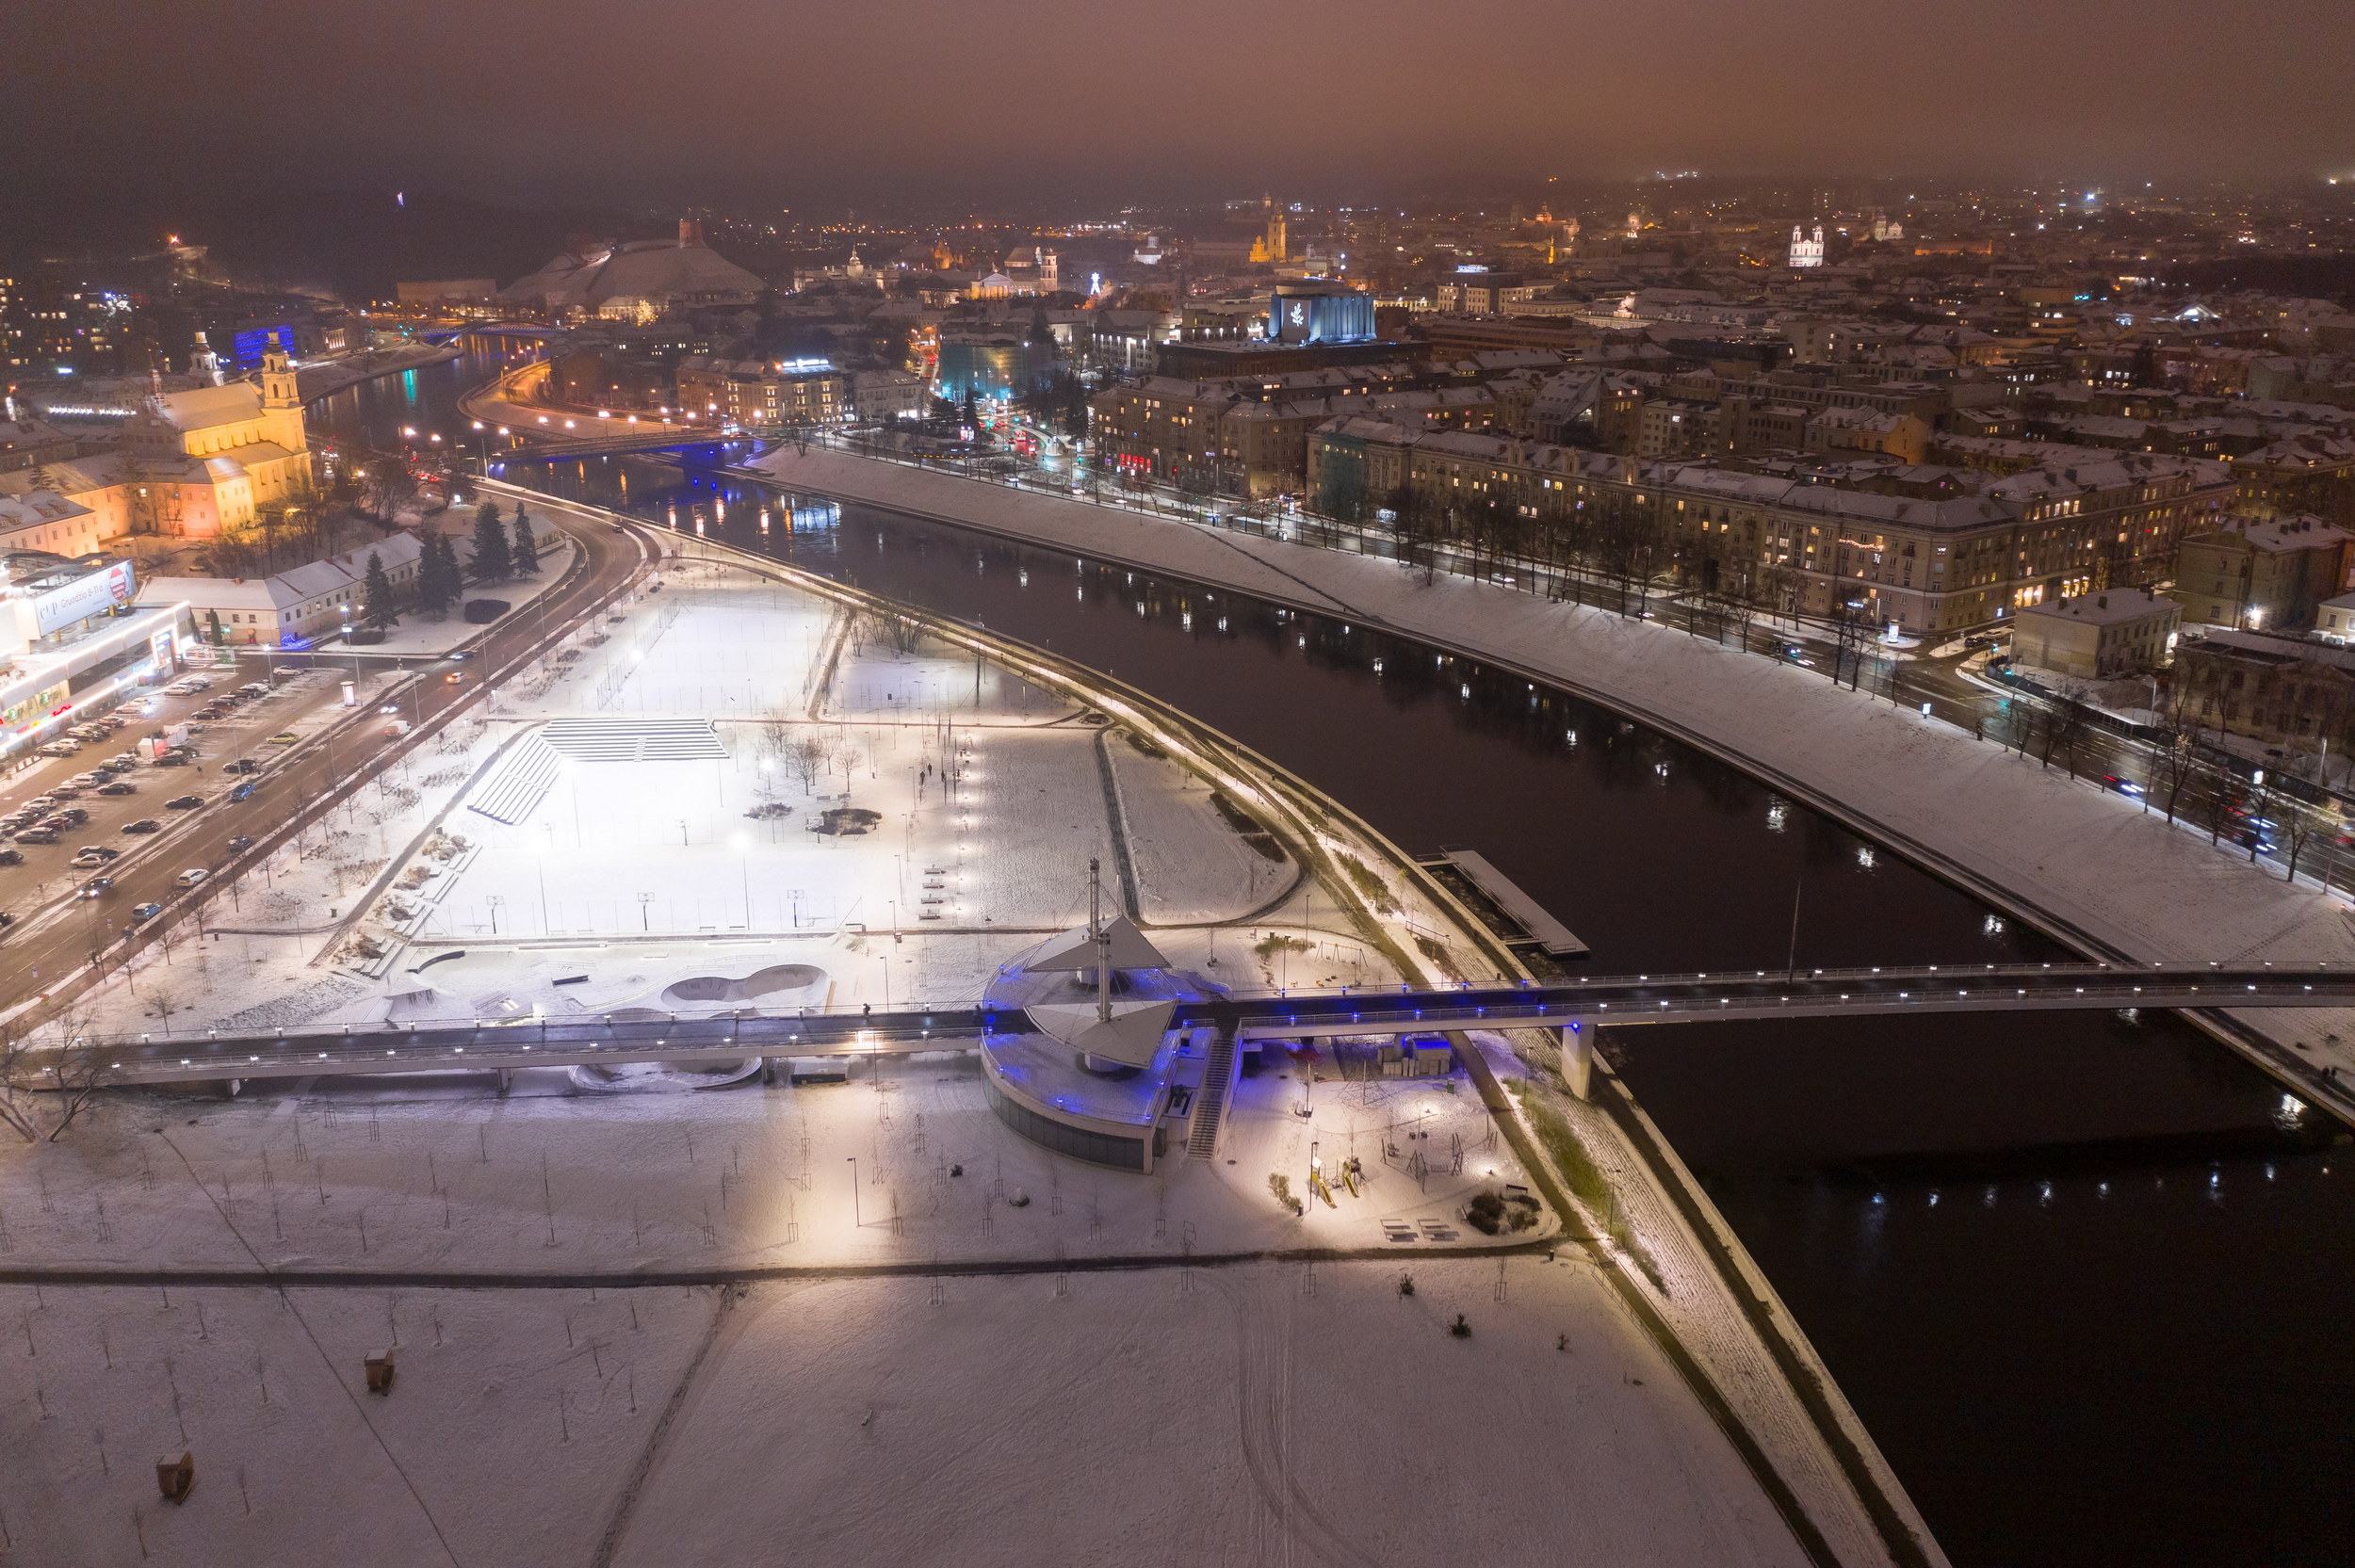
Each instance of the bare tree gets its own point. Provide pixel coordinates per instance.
(2065, 726)
(895, 629)
(2297, 830)
(810, 758)
(60, 1065)
(17, 1070)
(82, 1067)
(390, 486)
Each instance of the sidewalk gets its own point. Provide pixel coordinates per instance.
(2086, 865)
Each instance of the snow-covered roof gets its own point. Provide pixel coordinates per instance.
(661, 271)
(200, 408)
(2108, 607)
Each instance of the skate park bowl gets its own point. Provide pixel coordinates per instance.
(776, 979)
(666, 1078)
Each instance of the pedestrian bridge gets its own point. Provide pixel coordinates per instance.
(481, 1044)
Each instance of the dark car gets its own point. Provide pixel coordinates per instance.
(11, 857)
(98, 887)
(183, 803)
(172, 759)
(144, 825)
(242, 765)
(240, 841)
(119, 787)
(72, 816)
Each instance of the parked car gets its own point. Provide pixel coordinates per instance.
(144, 825)
(61, 749)
(119, 787)
(183, 803)
(65, 792)
(242, 765)
(72, 816)
(240, 841)
(37, 835)
(146, 912)
(11, 857)
(101, 850)
(192, 876)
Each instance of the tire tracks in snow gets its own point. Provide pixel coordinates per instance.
(625, 1504)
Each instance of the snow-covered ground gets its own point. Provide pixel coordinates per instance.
(1178, 1416)
(918, 1388)
(2072, 857)
(883, 1420)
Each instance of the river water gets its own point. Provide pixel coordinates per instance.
(2087, 1279)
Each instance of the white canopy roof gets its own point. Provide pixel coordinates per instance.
(1132, 1036)
(1074, 950)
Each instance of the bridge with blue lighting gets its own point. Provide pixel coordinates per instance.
(481, 1045)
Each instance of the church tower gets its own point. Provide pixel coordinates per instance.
(282, 404)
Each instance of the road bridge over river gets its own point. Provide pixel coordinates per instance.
(445, 1046)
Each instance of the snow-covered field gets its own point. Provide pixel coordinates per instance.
(1179, 1415)
(873, 1420)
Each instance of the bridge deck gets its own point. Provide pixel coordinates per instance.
(479, 1045)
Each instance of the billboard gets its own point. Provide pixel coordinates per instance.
(1341, 316)
(92, 593)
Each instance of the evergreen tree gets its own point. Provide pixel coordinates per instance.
(376, 594)
(523, 550)
(213, 628)
(437, 575)
(968, 414)
(490, 561)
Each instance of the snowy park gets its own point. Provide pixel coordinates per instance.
(848, 1295)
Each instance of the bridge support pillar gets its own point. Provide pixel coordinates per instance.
(1578, 1059)
(507, 1079)
(234, 1085)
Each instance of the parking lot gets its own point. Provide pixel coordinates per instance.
(160, 758)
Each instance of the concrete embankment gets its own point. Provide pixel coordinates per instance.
(2091, 868)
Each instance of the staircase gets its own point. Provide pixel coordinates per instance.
(1209, 1104)
(633, 739)
(519, 783)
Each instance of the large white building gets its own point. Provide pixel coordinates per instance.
(186, 465)
(1806, 250)
(636, 282)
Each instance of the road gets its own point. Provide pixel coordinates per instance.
(54, 953)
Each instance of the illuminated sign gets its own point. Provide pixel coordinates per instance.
(94, 593)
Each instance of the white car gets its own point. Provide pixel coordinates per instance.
(192, 876)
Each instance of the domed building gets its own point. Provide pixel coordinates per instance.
(638, 281)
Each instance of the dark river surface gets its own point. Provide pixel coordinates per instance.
(2088, 1280)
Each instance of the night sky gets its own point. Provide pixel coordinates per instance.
(726, 100)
